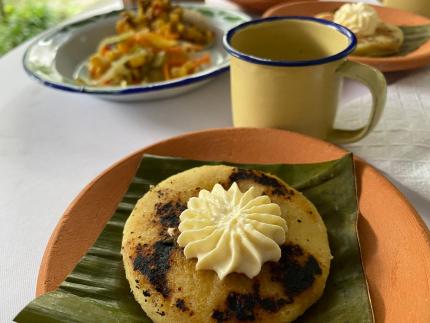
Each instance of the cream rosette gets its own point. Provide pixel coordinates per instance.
(361, 18)
(230, 231)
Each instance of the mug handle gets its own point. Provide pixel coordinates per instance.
(375, 81)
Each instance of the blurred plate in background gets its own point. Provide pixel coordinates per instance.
(259, 6)
(418, 58)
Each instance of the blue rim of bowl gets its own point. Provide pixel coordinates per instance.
(262, 61)
(128, 90)
(152, 87)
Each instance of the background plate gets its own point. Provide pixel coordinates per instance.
(394, 240)
(418, 58)
(259, 6)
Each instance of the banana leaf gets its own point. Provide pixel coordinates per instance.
(97, 290)
(415, 37)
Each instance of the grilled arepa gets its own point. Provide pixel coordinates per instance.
(170, 289)
(387, 39)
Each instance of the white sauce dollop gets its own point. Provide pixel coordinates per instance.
(230, 231)
(360, 18)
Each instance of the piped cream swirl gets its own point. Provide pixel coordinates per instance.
(360, 18)
(230, 231)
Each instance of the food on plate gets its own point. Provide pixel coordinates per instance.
(224, 244)
(154, 43)
(375, 37)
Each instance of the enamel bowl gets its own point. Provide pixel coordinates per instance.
(58, 56)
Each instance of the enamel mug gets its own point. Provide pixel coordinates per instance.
(286, 72)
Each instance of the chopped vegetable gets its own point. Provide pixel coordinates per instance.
(151, 45)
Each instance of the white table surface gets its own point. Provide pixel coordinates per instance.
(53, 143)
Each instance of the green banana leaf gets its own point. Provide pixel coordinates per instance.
(415, 37)
(97, 290)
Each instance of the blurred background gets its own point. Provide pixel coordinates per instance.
(23, 19)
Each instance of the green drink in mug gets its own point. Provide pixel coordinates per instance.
(287, 72)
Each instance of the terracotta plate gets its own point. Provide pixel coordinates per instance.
(259, 6)
(395, 242)
(418, 58)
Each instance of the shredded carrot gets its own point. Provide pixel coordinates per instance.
(204, 59)
(141, 40)
(176, 57)
(104, 50)
(177, 61)
(175, 50)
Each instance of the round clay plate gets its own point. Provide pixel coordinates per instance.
(418, 58)
(259, 6)
(394, 241)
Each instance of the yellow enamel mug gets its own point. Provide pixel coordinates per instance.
(286, 72)
(421, 7)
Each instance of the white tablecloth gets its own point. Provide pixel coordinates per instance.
(53, 143)
(400, 144)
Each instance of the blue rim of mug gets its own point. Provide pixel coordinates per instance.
(264, 61)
